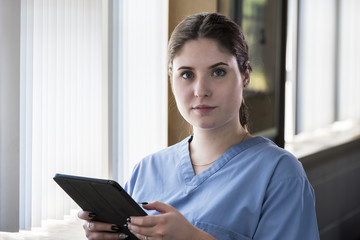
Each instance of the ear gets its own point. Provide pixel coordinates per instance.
(246, 74)
(246, 78)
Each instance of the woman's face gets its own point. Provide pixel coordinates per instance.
(207, 85)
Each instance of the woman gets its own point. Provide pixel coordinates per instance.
(219, 183)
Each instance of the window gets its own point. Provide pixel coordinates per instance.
(93, 98)
(63, 92)
(139, 83)
(65, 97)
(323, 106)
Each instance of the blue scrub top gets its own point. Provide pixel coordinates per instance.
(255, 190)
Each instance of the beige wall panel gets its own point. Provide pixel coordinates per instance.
(179, 9)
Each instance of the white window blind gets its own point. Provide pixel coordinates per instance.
(328, 58)
(316, 64)
(349, 60)
(140, 82)
(323, 77)
(63, 101)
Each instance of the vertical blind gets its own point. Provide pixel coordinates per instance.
(63, 101)
(316, 64)
(349, 60)
(322, 65)
(141, 107)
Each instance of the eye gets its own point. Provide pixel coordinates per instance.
(219, 73)
(187, 75)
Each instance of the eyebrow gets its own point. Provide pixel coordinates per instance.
(218, 64)
(212, 66)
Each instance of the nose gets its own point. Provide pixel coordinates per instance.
(202, 87)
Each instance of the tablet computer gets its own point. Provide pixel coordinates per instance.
(106, 198)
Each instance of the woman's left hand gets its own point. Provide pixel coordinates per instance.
(170, 224)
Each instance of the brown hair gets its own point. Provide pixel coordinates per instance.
(216, 27)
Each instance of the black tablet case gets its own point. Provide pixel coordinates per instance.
(106, 198)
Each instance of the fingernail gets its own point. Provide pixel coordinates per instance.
(128, 220)
(115, 228)
(125, 225)
(143, 203)
(91, 215)
(122, 236)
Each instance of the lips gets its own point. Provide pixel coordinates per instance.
(203, 109)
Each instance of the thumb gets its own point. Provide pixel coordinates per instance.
(158, 206)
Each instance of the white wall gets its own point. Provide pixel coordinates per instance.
(9, 114)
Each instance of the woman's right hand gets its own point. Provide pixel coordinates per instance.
(99, 230)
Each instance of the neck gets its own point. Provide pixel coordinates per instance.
(219, 137)
(216, 142)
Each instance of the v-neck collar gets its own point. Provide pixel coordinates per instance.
(187, 171)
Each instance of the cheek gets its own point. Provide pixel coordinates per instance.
(180, 89)
(234, 90)
(180, 94)
(234, 96)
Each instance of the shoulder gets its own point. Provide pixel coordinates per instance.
(287, 189)
(167, 154)
(163, 159)
(266, 147)
(156, 167)
(283, 164)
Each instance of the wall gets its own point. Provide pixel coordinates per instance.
(335, 176)
(9, 114)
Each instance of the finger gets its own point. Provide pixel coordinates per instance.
(145, 221)
(140, 231)
(105, 235)
(85, 215)
(142, 237)
(158, 206)
(93, 226)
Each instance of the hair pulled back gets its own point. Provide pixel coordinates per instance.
(216, 27)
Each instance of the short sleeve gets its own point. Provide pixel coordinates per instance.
(130, 184)
(288, 211)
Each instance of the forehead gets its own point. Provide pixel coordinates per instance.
(204, 51)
